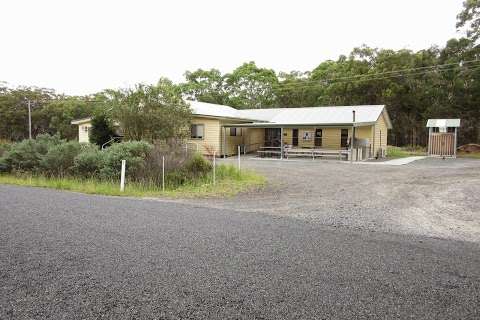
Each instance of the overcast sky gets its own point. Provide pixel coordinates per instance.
(79, 47)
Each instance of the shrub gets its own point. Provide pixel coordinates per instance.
(89, 162)
(4, 146)
(195, 168)
(27, 154)
(51, 156)
(59, 159)
(198, 166)
(134, 152)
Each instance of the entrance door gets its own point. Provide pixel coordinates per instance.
(295, 137)
(344, 138)
(272, 137)
(318, 137)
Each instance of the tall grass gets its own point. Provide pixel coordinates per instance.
(229, 181)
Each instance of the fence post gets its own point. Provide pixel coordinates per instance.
(163, 173)
(214, 156)
(238, 157)
(122, 176)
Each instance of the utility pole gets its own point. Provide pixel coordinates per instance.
(29, 119)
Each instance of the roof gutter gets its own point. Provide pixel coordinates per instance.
(296, 125)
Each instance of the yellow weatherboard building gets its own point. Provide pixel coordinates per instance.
(221, 129)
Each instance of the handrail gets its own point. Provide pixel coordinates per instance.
(196, 145)
(108, 142)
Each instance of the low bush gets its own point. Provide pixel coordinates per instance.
(59, 159)
(4, 146)
(195, 168)
(89, 162)
(134, 152)
(25, 156)
(52, 157)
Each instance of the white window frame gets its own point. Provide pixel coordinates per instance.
(196, 136)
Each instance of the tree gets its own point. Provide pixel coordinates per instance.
(205, 86)
(469, 18)
(56, 115)
(102, 130)
(249, 86)
(14, 111)
(151, 112)
(294, 90)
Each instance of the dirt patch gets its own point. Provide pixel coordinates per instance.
(470, 148)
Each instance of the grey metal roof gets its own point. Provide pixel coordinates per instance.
(217, 110)
(443, 123)
(295, 116)
(318, 115)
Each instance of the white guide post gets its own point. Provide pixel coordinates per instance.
(163, 173)
(122, 176)
(238, 157)
(214, 167)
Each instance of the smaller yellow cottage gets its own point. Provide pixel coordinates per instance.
(284, 131)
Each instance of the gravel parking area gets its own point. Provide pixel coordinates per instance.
(430, 197)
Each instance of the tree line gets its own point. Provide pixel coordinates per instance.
(437, 82)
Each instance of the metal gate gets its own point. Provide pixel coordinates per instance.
(442, 144)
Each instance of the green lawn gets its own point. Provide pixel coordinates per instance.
(403, 152)
(229, 182)
(473, 155)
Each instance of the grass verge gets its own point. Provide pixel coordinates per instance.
(472, 155)
(229, 181)
(403, 152)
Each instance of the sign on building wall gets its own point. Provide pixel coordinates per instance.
(307, 135)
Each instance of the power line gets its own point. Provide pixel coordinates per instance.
(455, 65)
(345, 79)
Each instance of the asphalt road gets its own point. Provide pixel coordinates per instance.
(72, 256)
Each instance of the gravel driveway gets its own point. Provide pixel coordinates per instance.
(430, 197)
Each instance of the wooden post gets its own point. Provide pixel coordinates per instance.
(122, 175)
(163, 173)
(214, 155)
(352, 138)
(238, 148)
(281, 143)
(429, 149)
(455, 144)
(224, 142)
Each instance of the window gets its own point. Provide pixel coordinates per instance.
(197, 131)
(86, 129)
(344, 138)
(235, 132)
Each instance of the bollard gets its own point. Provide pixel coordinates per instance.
(122, 176)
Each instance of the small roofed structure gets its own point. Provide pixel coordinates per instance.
(442, 137)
